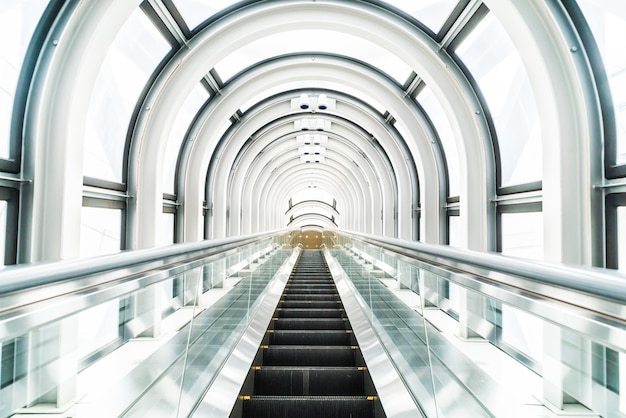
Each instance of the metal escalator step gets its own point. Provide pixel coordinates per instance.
(309, 381)
(313, 304)
(310, 296)
(314, 337)
(310, 323)
(293, 355)
(309, 313)
(308, 407)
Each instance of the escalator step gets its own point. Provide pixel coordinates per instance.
(305, 381)
(304, 296)
(310, 323)
(309, 313)
(294, 355)
(313, 304)
(315, 337)
(308, 407)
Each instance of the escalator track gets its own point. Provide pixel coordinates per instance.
(309, 364)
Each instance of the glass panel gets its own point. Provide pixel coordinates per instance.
(97, 327)
(313, 40)
(432, 13)
(100, 231)
(522, 331)
(166, 229)
(18, 19)
(607, 19)
(131, 59)
(190, 108)
(522, 235)
(197, 11)
(3, 232)
(496, 66)
(435, 112)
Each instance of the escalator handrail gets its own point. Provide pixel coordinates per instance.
(26, 276)
(598, 282)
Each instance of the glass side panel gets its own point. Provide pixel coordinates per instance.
(197, 11)
(607, 19)
(318, 41)
(522, 331)
(129, 62)
(496, 66)
(522, 235)
(100, 231)
(97, 327)
(438, 117)
(3, 231)
(18, 20)
(187, 112)
(432, 13)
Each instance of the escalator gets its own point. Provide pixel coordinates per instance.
(309, 364)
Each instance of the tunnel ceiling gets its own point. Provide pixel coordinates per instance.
(370, 116)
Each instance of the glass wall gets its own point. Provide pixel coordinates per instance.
(495, 65)
(101, 230)
(132, 58)
(18, 20)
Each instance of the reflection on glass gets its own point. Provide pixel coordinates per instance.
(18, 20)
(100, 231)
(190, 108)
(197, 11)
(129, 62)
(607, 19)
(3, 232)
(432, 13)
(522, 331)
(496, 66)
(438, 117)
(313, 40)
(522, 235)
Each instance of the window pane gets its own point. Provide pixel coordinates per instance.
(522, 235)
(313, 40)
(100, 231)
(3, 231)
(18, 19)
(607, 19)
(454, 231)
(131, 59)
(432, 13)
(621, 238)
(190, 108)
(197, 11)
(166, 229)
(435, 112)
(496, 66)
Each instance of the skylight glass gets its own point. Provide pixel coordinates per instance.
(18, 20)
(199, 95)
(432, 13)
(497, 67)
(323, 41)
(438, 117)
(607, 19)
(197, 11)
(135, 53)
